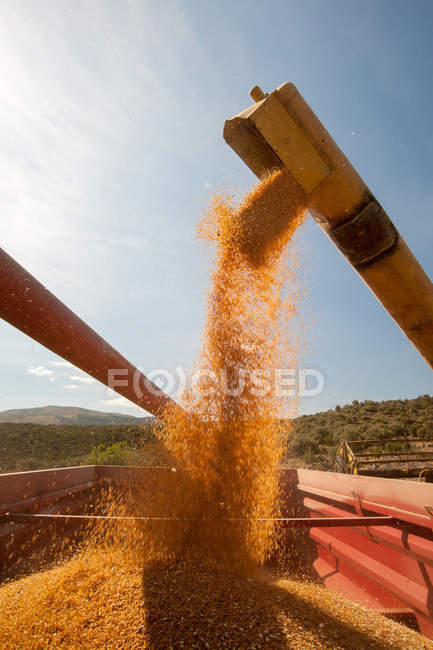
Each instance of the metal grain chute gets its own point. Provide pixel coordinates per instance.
(281, 131)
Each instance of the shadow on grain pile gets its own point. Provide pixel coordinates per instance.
(197, 606)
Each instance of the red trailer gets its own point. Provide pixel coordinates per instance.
(356, 535)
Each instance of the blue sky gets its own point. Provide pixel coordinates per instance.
(111, 118)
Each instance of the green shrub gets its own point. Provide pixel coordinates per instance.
(397, 446)
(119, 453)
(309, 456)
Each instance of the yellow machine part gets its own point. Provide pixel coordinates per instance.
(281, 130)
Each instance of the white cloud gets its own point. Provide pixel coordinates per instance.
(81, 380)
(116, 401)
(39, 371)
(122, 405)
(61, 364)
(71, 386)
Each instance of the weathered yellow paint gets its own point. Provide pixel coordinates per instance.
(290, 143)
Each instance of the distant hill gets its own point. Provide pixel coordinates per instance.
(61, 415)
(27, 446)
(321, 432)
(57, 436)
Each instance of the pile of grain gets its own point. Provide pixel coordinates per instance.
(107, 600)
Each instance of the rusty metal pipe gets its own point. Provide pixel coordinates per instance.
(27, 305)
(281, 130)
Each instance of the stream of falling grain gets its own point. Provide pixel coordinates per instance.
(227, 440)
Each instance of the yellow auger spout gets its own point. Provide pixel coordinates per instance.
(281, 130)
